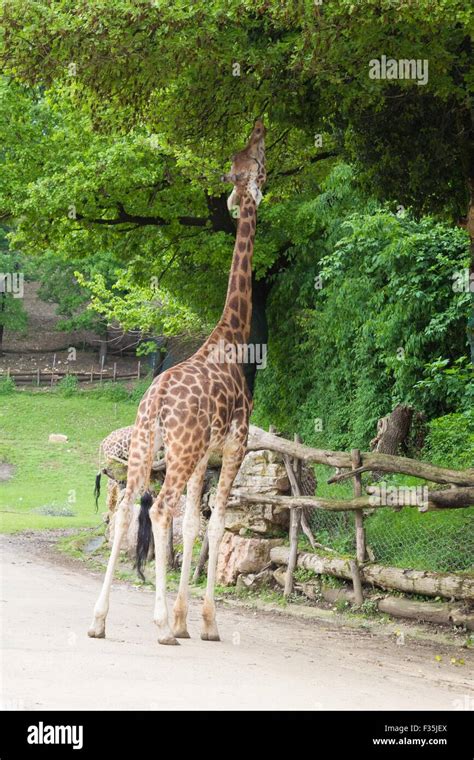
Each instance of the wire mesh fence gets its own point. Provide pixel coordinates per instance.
(440, 541)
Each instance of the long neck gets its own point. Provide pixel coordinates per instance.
(237, 312)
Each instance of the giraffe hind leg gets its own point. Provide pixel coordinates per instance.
(191, 523)
(161, 515)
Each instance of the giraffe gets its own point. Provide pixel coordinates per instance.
(197, 407)
(113, 461)
(113, 451)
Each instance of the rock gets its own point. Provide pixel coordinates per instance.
(258, 581)
(261, 472)
(242, 555)
(94, 544)
(57, 438)
(258, 518)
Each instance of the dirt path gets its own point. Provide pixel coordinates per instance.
(265, 661)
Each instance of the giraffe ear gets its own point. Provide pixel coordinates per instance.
(255, 192)
(233, 204)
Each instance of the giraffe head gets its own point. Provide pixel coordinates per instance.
(248, 173)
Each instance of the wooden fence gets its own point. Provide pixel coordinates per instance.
(360, 570)
(40, 377)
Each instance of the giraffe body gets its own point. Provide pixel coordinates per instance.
(195, 408)
(113, 462)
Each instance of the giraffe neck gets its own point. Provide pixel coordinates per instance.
(237, 312)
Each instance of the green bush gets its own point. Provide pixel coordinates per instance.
(140, 387)
(68, 386)
(7, 386)
(360, 320)
(109, 392)
(450, 440)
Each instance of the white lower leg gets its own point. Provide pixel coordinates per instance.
(160, 519)
(215, 533)
(97, 627)
(190, 531)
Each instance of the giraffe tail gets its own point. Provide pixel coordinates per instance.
(97, 480)
(97, 490)
(144, 533)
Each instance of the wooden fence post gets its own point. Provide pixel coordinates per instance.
(359, 514)
(356, 582)
(38, 377)
(359, 530)
(139, 370)
(202, 558)
(295, 520)
(52, 371)
(115, 371)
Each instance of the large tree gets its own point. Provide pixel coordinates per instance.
(134, 107)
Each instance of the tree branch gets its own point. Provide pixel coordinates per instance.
(142, 221)
(313, 160)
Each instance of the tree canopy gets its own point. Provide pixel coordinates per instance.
(119, 116)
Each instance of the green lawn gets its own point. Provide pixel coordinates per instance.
(54, 478)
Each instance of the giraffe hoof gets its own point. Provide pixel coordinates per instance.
(184, 634)
(95, 633)
(169, 641)
(210, 636)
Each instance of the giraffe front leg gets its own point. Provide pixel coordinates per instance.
(97, 627)
(160, 517)
(210, 631)
(230, 467)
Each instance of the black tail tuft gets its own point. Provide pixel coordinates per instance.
(144, 533)
(97, 490)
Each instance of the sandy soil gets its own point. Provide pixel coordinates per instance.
(265, 661)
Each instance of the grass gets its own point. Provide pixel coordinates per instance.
(50, 481)
(52, 484)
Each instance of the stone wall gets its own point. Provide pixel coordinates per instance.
(252, 529)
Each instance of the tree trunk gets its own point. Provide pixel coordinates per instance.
(410, 581)
(103, 349)
(392, 430)
(258, 329)
(3, 299)
(451, 498)
(431, 612)
(470, 229)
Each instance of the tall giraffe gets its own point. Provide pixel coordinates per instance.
(197, 407)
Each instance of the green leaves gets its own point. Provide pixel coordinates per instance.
(347, 351)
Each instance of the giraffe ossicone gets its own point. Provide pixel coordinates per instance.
(195, 408)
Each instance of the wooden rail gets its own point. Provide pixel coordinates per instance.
(259, 439)
(50, 377)
(459, 495)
